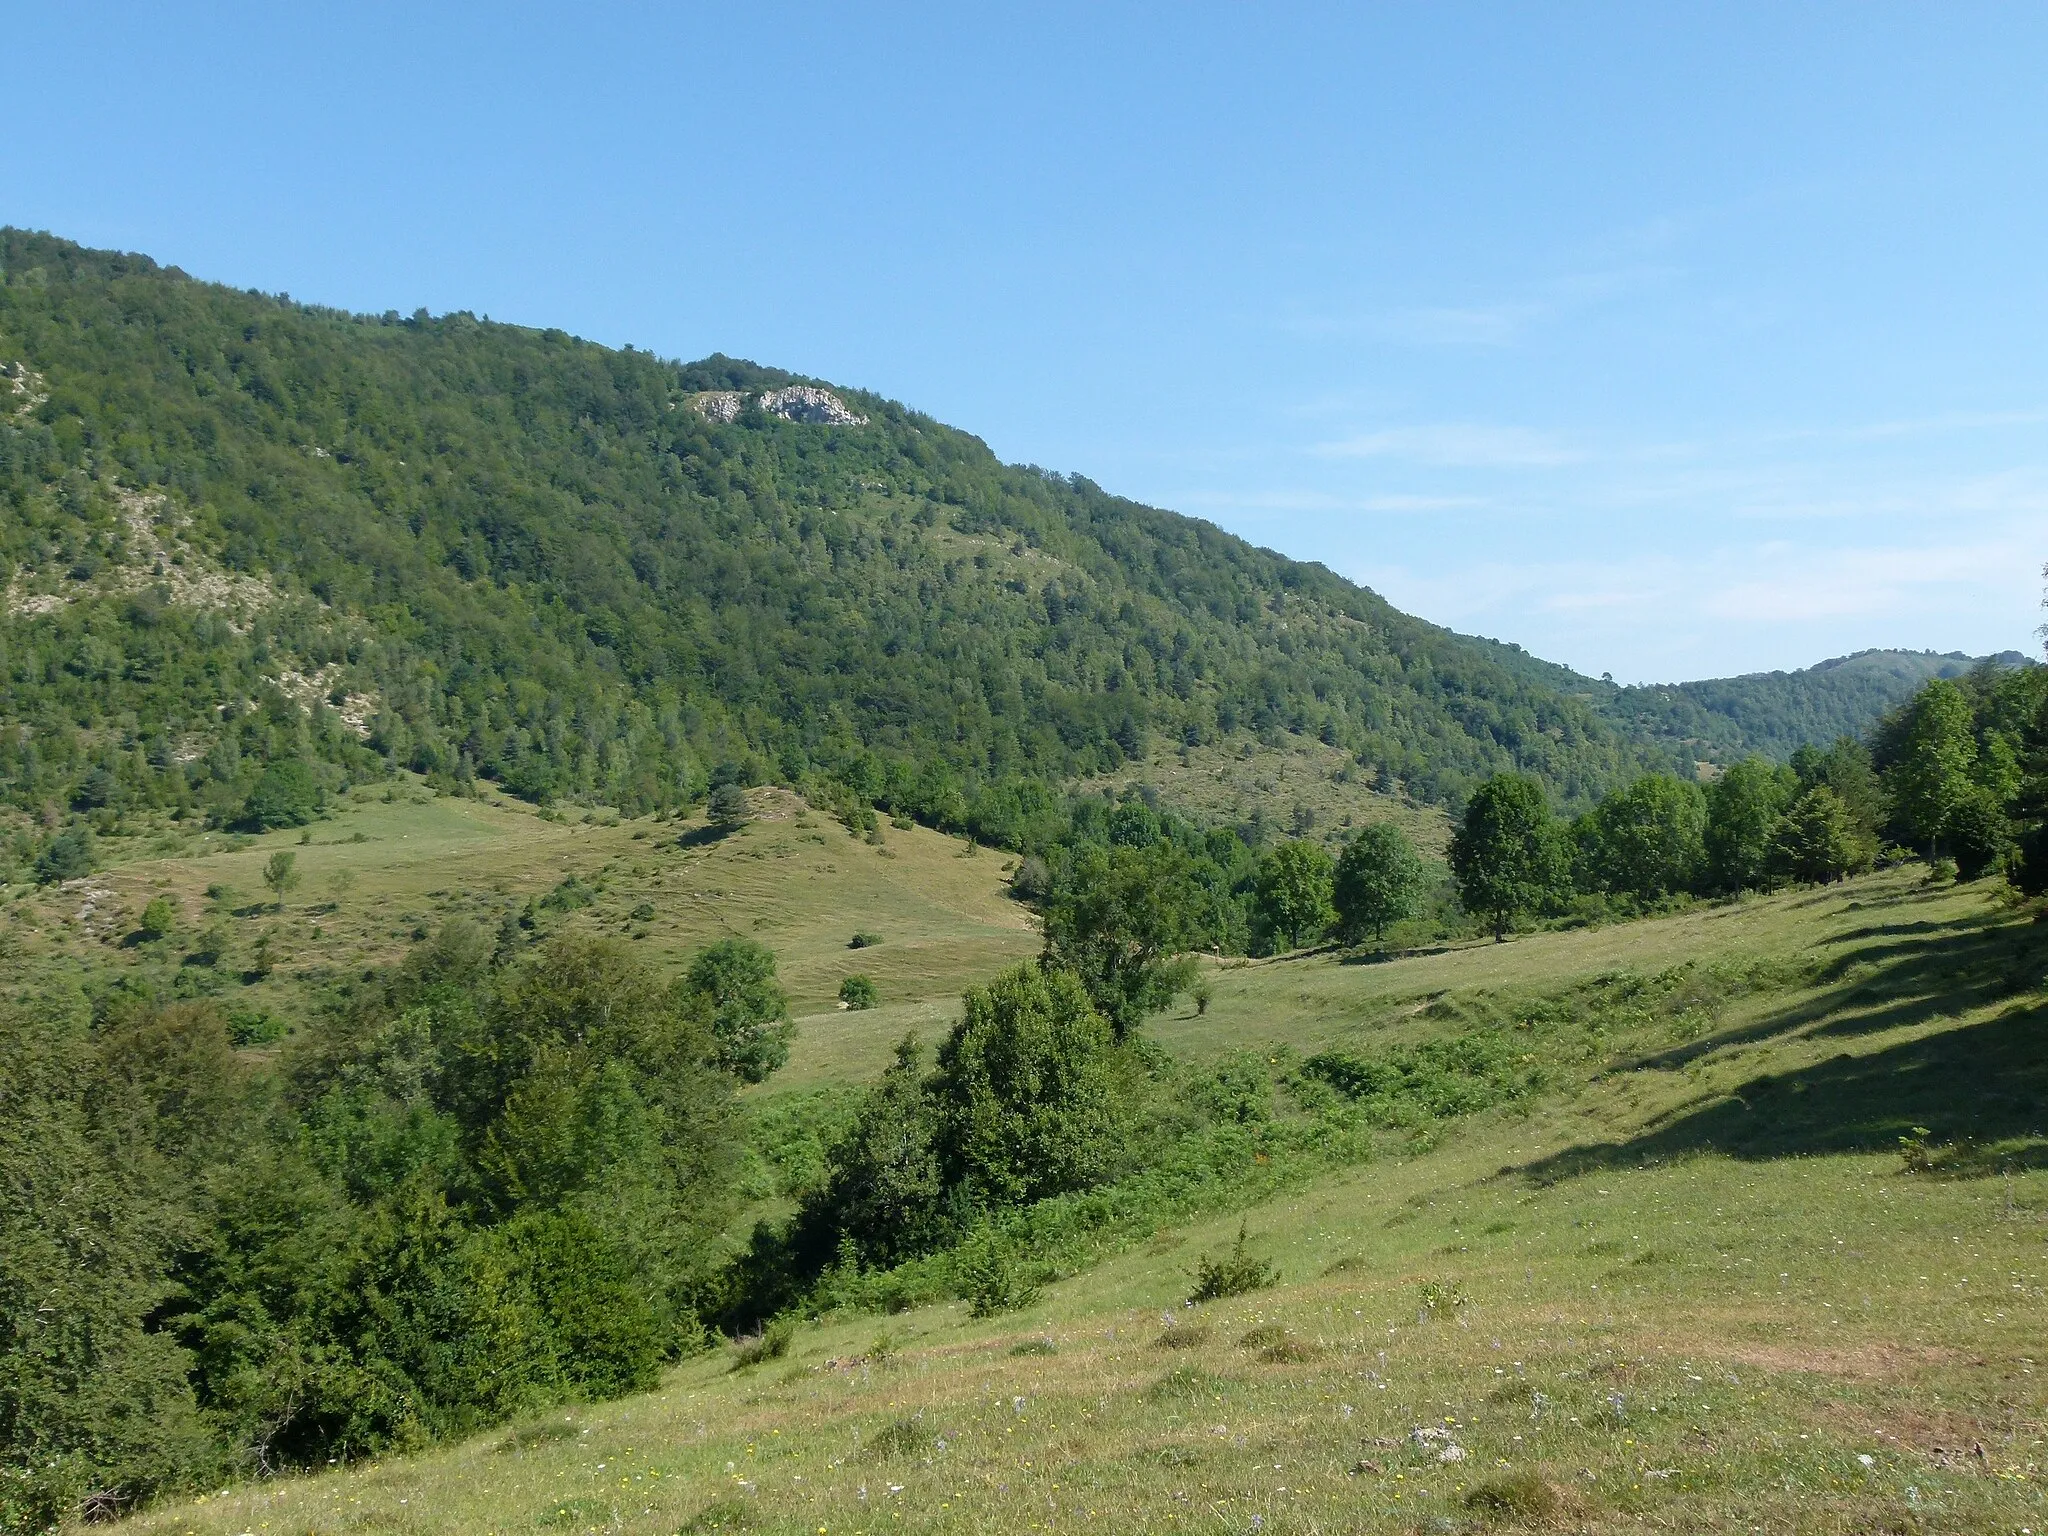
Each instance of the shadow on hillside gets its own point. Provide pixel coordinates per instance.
(1885, 986)
(1980, 1091)
(703, 837)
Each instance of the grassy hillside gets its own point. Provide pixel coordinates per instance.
(1766, 1254)
(395, 861)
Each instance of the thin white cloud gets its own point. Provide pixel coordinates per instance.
(1457, 444)
(1323, 501)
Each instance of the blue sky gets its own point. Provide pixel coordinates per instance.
(1669, 341)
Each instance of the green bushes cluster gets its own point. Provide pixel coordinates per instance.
(483, 1188)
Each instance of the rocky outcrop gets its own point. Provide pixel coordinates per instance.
(806, 402)
(797, 402)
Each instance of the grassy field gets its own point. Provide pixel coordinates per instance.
(1239, 779)
(1770, 1254)
(391, 864)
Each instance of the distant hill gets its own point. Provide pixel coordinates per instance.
(1776, 713)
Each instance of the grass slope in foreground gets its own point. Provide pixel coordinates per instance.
(1700, 1286)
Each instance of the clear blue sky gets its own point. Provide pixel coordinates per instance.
(1668, 341)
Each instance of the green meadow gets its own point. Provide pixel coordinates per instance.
(1763, 1248)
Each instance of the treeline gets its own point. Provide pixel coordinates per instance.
(1957, 776)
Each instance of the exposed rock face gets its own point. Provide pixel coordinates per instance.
(806, 402)
(798, 402)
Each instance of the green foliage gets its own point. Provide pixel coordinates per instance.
(1647, 840)
(67, 856)
(287, 795)
(727, 807)
(1378, 882)
(281, 874)
(1743, 807)
(530, 559)
(1509, 855)
(1029, 1089)
(99, 1140)
(1979, 832)
(771, 1343)
(159, 917)
(1236, 1273)
(992, 1280)
(883, 1185)
(734, 988)
(863, 940)
(857, 992)
(1817, 840)
(1292, 902)
(1115, 917)
(1930, 782)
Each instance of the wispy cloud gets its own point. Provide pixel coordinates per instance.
(1457, 444)
(1322, 501)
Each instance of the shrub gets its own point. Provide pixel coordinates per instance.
(287, 795)
(771, 1343)
(857, 992)
(1235, 1274)
(904, 1437)
(1187, 1384)
(991, 1279)
(159, 917)
(254, 1027)
(1030, 1097)
(68, 856)
(1182, 1333)
(727, 807)
(864, 940)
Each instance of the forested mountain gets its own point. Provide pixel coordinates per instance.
(240, 529)
(239, 526)
(1776, 713)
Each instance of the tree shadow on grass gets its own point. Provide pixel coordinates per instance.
(1882, 987)
(1980, 1091)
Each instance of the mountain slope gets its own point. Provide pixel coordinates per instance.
(509, 553)
(1777, 712)
(241, 529)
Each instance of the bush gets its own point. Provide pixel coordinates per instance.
(771, 1343)
(68, 856)
(1029, 1092)
(158, 918)
(287, 795)
(727, 807)
(864, 940)
(992, 1280)
(857, 992)
(1237, 1273)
